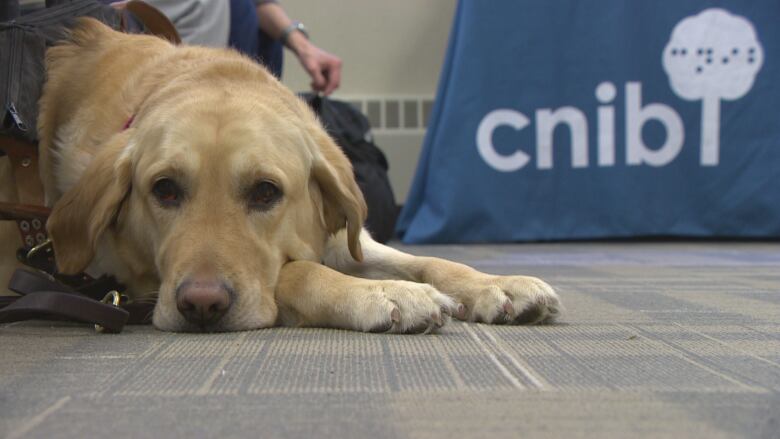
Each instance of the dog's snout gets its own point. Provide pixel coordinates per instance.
(203, 301)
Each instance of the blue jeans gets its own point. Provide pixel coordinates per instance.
(246, 36)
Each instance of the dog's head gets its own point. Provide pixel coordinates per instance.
(211, 190)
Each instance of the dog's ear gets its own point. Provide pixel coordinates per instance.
(343, 203)
(84, 212)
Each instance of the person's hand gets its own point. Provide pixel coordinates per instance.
(323, 67)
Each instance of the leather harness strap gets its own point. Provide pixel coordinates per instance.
(44, 298)
(14, 211)
(30, 220)
(48, 305)
(41, 295)
(76, 298)
(29, 191)
(154, 21)
(24, 165)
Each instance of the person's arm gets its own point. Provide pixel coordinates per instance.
(323, 67)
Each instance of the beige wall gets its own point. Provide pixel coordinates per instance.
(388, 47)
(391, 49)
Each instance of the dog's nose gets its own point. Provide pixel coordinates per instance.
(203, 301)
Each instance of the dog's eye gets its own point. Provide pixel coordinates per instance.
(263, 195)
(167, 192)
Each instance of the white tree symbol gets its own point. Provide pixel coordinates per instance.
(712, 56)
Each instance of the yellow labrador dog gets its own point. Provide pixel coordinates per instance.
(193, 175)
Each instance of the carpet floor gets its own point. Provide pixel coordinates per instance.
(658, 340)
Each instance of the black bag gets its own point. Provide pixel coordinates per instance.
(23, 43)
(352, 132)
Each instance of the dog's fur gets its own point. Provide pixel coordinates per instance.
(217, 124)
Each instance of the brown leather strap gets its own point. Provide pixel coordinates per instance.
(14, 211)
(24, 282)
(47, 299)
(29, 215)
(154, 21)
(49, 305)
(33, 232)
(24, 165)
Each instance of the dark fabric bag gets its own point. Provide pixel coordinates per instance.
(351, 130)
(23, 43)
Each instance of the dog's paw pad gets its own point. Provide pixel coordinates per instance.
(530, 315)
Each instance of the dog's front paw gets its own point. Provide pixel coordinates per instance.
(518, 300)
(403, 307)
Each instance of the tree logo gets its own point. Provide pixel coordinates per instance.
(712, 56)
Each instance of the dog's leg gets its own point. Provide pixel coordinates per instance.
(311, 294)
(487, 298)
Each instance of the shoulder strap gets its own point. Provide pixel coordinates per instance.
(153, 21)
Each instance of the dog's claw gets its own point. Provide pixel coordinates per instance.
(383, 328)
(433, 325)
(460, 312)
(395, 315)
(509, 309)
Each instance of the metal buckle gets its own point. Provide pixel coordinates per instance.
(114, 297)
(38, 248)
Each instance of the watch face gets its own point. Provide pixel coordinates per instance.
(302, 29)
(295, 26)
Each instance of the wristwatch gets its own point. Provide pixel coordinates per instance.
(295, 26)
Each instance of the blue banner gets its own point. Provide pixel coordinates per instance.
(576, 119)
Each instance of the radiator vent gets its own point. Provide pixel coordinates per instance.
(398, 124)
(395, 114)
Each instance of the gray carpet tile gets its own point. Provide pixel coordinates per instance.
(658, 340)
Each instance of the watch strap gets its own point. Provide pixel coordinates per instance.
(293, 27)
